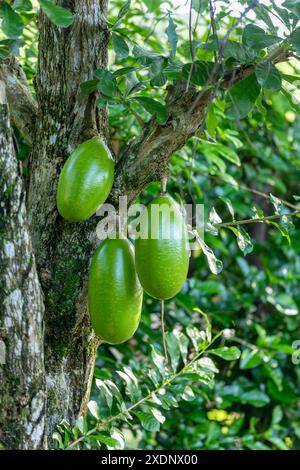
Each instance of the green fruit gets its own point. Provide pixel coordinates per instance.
(85, 181)
(115, 294)
(162, 257)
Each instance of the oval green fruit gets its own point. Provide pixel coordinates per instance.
(162, 252)
(115, 294)
(85, 181)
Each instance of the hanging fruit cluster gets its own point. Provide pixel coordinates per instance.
(117, 276)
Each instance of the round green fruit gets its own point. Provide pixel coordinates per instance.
(115, 294)
(85, 181)
(162, 252)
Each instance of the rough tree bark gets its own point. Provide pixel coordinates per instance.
(22, 386)
(47, 376)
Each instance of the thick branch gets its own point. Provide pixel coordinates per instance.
(22, 106)
(146, 158)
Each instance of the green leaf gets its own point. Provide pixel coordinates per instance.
(105, 392)
(107, 82)
(101, 103)
(118, 437)
(228, 205)
(200, 5)
(173, 350)
(256, 38)
(262, 13)
(12, 24)
(172, 36)
(125, 70)
(133, 85)
(22, 5)
(197, 337)
(152, 4)
(241, 53)
(293, 6)
(123, 12)
(153, 107)
(93, 409)
(211, 121)
(214, 217)
(283, 304)
(255, 397)
(114, 390)
(105, 439)
(198, 72)
(158, 360)
(183, 343)
(145, 56)
(132, 388)
(82, 424)
(241, 98)
(158, 77)
(225, 152)
(282, 13)
(207, 364)
(228, 354)
(215, 265)
(148, 421)
(58, 15)
(89, 86)
(188, 394)
(158, 415)
(120, 46)
(295, 40)
(250, 358)
(290, 78)
(268, 76)
(280, 209)
(173, 71)
(243, 239)
(4, 51)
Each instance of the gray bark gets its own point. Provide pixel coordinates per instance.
(24, 108)
(22, 387)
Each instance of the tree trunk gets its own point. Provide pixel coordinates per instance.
(66, 117)
(22, 385)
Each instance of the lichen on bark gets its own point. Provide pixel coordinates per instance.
(22, 379)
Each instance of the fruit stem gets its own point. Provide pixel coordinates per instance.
(163, 329)
(163, 183)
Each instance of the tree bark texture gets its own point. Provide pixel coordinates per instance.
(22, 385)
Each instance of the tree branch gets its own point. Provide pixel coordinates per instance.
(22, 105)
(146, 158)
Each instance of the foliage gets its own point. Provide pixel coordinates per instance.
(243, 165)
